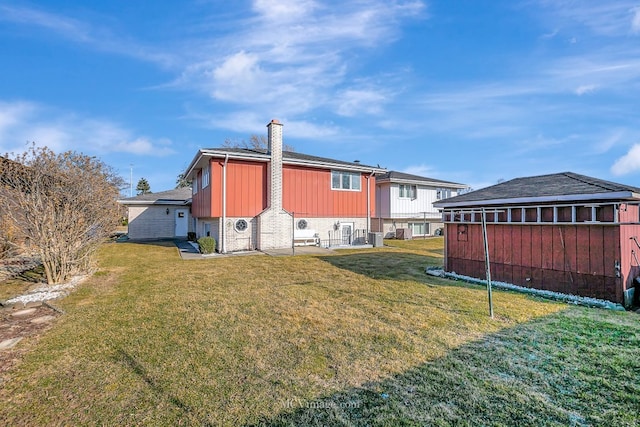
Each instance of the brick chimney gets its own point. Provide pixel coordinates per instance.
(275, 225)
(275, 173)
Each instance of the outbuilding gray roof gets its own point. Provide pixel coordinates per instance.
(565, 186)
(176, 196)
(395, 176)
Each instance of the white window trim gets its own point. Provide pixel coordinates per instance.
(194, 187)
(412, 189)
(352, 175)
(206, 177)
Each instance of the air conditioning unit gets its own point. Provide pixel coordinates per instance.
(404, 234)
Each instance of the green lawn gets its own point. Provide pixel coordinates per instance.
(351, 338)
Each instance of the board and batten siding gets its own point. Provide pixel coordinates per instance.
(405, 206)
(572, 259)
(307, 192)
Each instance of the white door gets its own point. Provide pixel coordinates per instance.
(346, 229)
(182, 222)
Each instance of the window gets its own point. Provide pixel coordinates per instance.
(418, 228)
(206, 177)
(194, 185)
(408, 191)
(443, 193)
(345, 181)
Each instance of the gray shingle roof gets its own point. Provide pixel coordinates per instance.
(401, 176)
(558, 186)
(178, 195)
(290, 155)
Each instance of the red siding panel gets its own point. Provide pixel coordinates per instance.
(571, 250)
(574, 259)
(246, 188)
(596, 246)
(546, 249)
(559, 248)
(582, 253)
(307, 192)
(536, 247)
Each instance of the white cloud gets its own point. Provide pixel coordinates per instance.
(628, 163)
(22, 122)
(355, 102)
(420, 170)
(250, 122)
(604, 144)
(609, 18)
(581, 90)
(635, 21)
(284, 10)
(12, 113)
(302, 63)
(80, 32)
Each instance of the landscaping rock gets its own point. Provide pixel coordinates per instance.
(10, 343)
(43, 319)
(24, 312)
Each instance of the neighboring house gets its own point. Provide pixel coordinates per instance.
(159, 215)
(266, 199)
(405, 202)
(563, 232)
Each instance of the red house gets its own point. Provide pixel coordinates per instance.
(563, 232)
(268, 199)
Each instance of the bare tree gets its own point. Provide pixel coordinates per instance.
(64, 205)
(256, 142)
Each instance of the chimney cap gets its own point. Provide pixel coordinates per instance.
(275, 121)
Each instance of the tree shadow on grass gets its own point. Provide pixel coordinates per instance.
(387, 265)
(545, 372)
(136, 367)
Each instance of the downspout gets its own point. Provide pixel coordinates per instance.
(369, 204)
(223, 230)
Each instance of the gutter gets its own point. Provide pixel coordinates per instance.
(619, 195)
(441, 184)
(285, 161)
(223, 230)
(369, 202)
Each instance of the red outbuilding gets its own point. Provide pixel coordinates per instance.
(562, 232)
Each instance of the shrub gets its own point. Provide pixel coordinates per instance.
(207, 245)
(191, 236)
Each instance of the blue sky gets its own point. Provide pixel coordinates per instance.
(468, 91)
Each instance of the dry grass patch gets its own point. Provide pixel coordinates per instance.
(261, 340)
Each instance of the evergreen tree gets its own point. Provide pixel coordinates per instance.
(143, 186)
(182, 182)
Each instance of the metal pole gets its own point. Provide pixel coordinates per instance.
(293, 233)
(486, 260)
(424, 229)
(131, 180)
